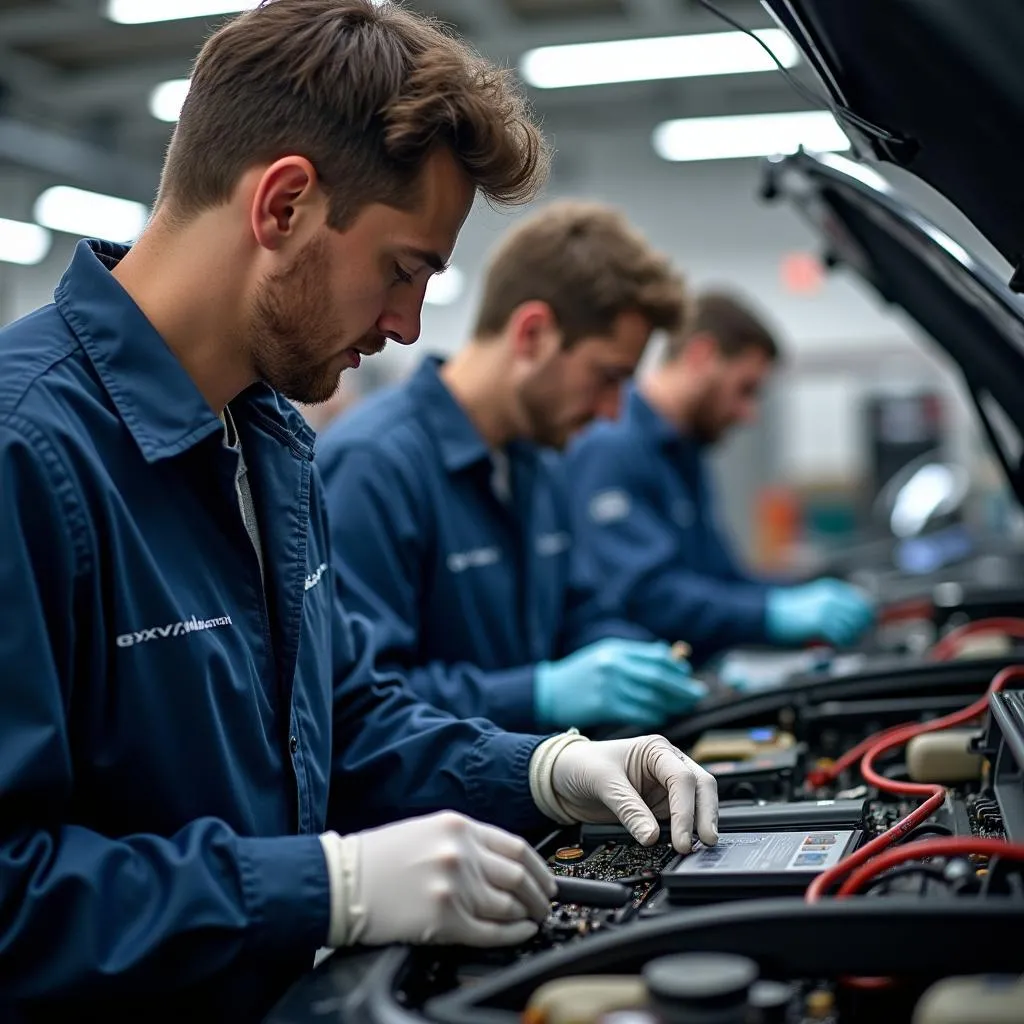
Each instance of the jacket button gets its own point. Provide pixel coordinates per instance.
(293, 744)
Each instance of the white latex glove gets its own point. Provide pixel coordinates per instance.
(437, 879)
(635, 781)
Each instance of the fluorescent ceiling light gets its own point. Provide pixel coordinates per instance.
(748, 135)
(139, 12)
(444, 289)
(647, 60)
(166, 100)
(25, 244)
(90, 214)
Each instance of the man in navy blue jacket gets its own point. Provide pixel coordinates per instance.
(198, 760)
(448, 508)
(643, 510)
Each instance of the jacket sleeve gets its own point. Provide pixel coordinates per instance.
(626, 547)
(90, 915)
(377, 539)
(396, 756)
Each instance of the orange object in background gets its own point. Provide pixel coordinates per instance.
(802, 273)
(778, 524)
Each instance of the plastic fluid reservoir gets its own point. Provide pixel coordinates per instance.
(977, 999)
(701, 988)
(582, 1000)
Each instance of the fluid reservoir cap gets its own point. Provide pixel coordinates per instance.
(700, 980)
(772, 999)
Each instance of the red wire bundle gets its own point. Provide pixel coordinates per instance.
(876, 747)
(946, 649)
(949, 646)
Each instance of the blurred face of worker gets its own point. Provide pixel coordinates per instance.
(323, 299)
(730, 392)
(561, 390)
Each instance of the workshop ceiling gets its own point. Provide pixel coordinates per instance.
(75, 87)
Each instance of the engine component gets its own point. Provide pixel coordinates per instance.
(943, 757)
(583, 999)
(988, 999)
(701, 988)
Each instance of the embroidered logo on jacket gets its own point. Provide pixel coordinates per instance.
(550, 544)
(192, 625)
(315, 577)
(610, 506)
(460, 561)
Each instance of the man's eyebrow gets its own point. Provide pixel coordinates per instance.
(432, 259)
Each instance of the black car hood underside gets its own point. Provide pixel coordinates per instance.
(944, 79)
(959, 302)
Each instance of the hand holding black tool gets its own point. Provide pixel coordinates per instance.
(589, 892)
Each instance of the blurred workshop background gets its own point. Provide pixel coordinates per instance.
(657, 106)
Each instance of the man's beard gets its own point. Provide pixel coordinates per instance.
(292, 327)
(540, 404)
(706, 426)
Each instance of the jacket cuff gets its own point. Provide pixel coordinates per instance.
(287, 891)
(511, 698)
(602, 629)
(751, 613)
(542, 764)
(348, 919)
(498, 781)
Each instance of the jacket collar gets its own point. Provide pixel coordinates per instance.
(152, 392)
(459, 441)
(643, 415)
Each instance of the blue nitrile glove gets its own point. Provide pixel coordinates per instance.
(613, 681)
(827, 610)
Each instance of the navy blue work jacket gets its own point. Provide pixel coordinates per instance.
(466, 591)
(173, 738)
(646, 532)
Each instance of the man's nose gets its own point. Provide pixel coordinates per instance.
(401, 325)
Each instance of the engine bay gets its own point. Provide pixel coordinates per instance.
(870, 867)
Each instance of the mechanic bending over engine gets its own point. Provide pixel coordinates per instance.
(642, 508)
(194, 745)
(447, 503)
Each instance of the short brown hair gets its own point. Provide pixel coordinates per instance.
(587, 263)
(364, 92)
(730, 321)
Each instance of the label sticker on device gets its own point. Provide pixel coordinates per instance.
(767, 852)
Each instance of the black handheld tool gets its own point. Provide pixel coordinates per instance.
(586, 892)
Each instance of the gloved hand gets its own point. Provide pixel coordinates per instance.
(443, 878)
(616, 681)
(635, 781)
(826, 609)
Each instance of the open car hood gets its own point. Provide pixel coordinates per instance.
(959, 302)
(944, 80)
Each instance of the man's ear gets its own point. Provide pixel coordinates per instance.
(287, 202)
(533, 331)
(702, 350)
